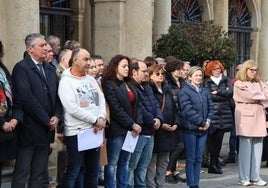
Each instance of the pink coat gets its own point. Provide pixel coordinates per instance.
(250, 99)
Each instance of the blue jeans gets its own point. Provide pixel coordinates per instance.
(116, 158)
(139, 161)
(79, 182)
(194, 147)
(91, 159)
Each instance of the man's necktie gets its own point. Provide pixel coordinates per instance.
(41, 69)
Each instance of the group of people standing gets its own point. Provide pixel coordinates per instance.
(168, 106)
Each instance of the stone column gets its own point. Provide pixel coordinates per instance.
(221, 13)
(263, 43)
(162, 18)
(110, 28)
(21, 18)
(2, 20)
(77, 19)
(139, 16)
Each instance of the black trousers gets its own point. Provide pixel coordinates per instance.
(214, 145)
(174, 155)
(31, 162)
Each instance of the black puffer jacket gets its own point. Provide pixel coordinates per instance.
(174, 89)
(223, 118)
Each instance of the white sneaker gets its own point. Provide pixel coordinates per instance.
(259, 183)
(244, 183)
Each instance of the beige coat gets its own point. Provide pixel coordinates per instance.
(251, 99)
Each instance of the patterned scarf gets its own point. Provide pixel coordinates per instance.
(5, 92)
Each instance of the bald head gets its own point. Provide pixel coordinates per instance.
(80, 61)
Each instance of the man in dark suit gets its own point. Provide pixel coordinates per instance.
(36, 84)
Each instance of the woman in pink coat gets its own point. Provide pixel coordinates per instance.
(251, 97)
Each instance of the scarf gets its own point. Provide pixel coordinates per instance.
(216, 80)
(5, 92)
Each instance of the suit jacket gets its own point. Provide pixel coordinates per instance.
(39, 100)
(122, 114)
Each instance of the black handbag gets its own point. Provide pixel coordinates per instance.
(7, 136)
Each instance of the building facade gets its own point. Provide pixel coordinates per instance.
(131, 27)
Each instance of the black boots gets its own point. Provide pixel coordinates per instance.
(230, 160)
(215, 169)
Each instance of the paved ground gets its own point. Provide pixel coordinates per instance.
(228, 179)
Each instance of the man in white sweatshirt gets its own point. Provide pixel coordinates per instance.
(84, 107)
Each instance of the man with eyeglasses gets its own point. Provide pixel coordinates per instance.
(152, 120)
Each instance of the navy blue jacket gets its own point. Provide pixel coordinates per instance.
(150, 109)
(122, 114)
(196, 108)
(39, 100)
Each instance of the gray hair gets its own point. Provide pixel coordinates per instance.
(30, 39)
(193, 69)
(52, 40)
(62, 54)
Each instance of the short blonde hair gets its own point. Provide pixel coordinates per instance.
(193, 69)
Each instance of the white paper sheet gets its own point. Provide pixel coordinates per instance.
(87, 139)
(130, 142)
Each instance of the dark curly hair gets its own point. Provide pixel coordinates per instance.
(110, 70)
(174, 65)
(149, 61)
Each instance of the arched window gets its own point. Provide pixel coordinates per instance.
(239, 15)
(240, 28)
(185, 10)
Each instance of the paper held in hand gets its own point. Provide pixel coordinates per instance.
(87, 139)
(130, 142)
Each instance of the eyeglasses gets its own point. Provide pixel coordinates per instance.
(159, 73)
(253, 70)
(216, 69)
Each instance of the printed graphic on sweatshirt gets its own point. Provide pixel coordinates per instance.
(87, 95)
